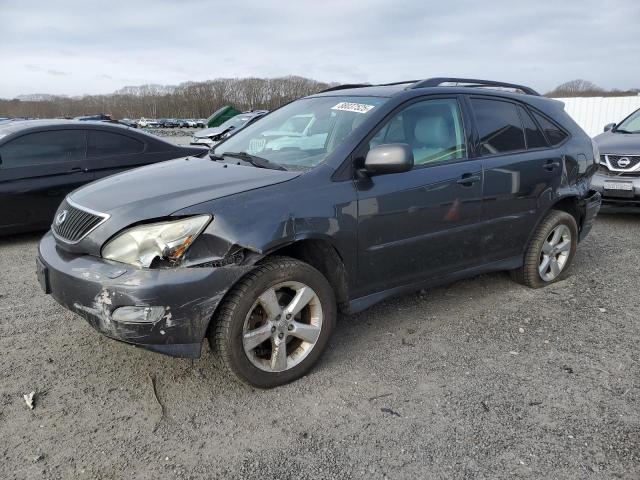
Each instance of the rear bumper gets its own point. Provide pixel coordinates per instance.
(591, 206)
(95, 289)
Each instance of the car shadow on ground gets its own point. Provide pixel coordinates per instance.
(18, 238)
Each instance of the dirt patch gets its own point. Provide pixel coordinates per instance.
(480, 379)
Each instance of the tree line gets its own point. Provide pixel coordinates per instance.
(187, 100)
(200, 99)
(585, 88)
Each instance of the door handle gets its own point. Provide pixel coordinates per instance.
(551, 165)
(468, 179)
(78, 169)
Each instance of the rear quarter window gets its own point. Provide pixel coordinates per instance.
(555, 135)
(102, 143)
(534, 136)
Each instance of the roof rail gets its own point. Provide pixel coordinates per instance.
(396, 83)
(472, 82)
(345, 86)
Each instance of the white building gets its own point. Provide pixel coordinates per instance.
(593, 113)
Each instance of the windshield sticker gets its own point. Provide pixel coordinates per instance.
(256, 145)
(353, 107)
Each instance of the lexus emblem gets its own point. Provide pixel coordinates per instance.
(61, 217)
(623, 162)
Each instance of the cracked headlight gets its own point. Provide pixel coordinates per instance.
(168, 241)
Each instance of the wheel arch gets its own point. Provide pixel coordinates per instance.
(322, 255)
(569, 204)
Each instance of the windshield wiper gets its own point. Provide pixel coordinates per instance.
(254, 160)
(621, 130)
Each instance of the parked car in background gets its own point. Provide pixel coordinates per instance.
(211, 136)
(220, 116)
(97, 117)
(147, 123)
(415, 185)
(41, 161)
(167, 123)
(618, 178)
(128, 122)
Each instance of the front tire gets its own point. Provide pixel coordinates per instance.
(274, 324)
(550, 251)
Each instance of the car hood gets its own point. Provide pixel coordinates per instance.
(209, 132)
(160, 189)
(618, 143)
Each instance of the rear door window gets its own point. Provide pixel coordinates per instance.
(535, 138)
(102, 143)
(499, 126)
(43, 148)
(554, 134)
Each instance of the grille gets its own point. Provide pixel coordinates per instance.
(623, 162)
(75, 224)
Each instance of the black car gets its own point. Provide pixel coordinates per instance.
(41, 161)
(388, 189)
(168, 123)
(619, 176)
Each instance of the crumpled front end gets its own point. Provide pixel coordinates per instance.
(164, 310)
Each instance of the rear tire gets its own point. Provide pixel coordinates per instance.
(274, 324)
(550, 251)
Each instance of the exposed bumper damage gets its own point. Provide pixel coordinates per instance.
(174, 305)
(591, 205)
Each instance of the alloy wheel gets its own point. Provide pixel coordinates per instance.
(555, 253)
(282, 326)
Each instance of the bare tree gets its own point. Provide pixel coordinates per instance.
(577, 88)
(187, 100)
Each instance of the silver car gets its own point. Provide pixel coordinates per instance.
(618, 179)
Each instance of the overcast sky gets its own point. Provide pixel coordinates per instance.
(76, 47)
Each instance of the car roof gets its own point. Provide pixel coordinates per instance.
(14, 126)
(414, 88)
(364, 91)
(10, 128)
(418, 87)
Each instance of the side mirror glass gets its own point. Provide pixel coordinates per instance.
(609, 126)
(389, 158)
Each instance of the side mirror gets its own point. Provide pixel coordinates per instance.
(389, 158)
(609, 126)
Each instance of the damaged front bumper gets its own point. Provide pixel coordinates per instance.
(164, 310)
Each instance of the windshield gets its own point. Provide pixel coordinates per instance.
(304, 133)
(630, 124)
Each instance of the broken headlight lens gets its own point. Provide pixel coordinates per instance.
(168, 241)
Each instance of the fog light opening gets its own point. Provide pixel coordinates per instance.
(144, 314)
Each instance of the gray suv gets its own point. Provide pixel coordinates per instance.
(386, 190)
(618, 178)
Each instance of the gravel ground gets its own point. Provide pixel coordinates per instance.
(177, 136)
(480, 379)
